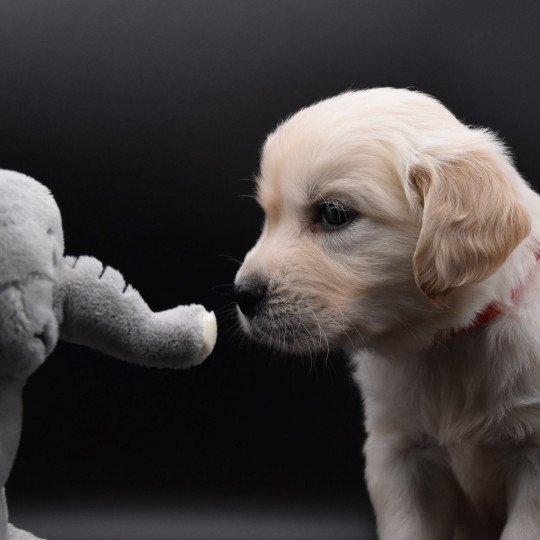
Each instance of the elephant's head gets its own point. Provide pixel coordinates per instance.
(44, 295)
(31, 247)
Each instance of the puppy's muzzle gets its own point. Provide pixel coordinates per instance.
(249, 294)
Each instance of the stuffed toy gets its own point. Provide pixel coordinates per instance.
(45, 296)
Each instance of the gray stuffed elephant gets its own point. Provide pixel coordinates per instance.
(45, 296)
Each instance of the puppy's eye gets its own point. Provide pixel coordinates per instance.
(334, 214)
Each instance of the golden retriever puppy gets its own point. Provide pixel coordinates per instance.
(409, 240)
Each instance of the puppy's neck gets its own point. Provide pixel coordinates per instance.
(503, 290)
(473, 308)
(495, 309)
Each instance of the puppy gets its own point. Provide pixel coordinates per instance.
(407, 239)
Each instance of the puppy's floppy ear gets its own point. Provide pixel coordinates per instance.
(471, 217)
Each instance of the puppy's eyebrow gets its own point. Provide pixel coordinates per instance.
(346, 191)
(323, 189)
(313, 191)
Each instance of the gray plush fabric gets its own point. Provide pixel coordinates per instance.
(45, 296)
(99, 310)
(19, 534)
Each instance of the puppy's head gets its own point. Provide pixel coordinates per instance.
(378, 204)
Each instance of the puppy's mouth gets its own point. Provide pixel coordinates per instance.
(290, 330)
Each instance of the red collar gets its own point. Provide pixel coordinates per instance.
(491, 312)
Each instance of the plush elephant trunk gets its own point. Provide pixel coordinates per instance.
(97, 309)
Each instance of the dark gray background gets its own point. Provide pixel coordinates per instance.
(145, 119)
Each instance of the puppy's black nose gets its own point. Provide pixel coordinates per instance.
(248, 295)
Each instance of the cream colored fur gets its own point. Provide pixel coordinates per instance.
(445, 227)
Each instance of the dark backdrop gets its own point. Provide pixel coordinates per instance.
(145, 119)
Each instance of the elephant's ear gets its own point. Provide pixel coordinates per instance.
(471, 216)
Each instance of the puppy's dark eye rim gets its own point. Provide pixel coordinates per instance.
(334, 214)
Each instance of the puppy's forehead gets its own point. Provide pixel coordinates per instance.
(306, 151)
(289, 161)
(358, 133)
(284, 172)
(305, 156)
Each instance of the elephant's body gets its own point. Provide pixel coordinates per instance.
(44, 296)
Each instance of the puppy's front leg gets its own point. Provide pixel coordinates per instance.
(412, 489)
(524, 496)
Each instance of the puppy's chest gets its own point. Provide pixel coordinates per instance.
(450, 395)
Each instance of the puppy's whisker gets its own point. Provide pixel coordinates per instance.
(248, 179)
(343, 327)
(233, 329)
(351, 326)
(227, 316)
(221, 285)
(230, 258)
(310, 336)
(321, 334)
(229, 306)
